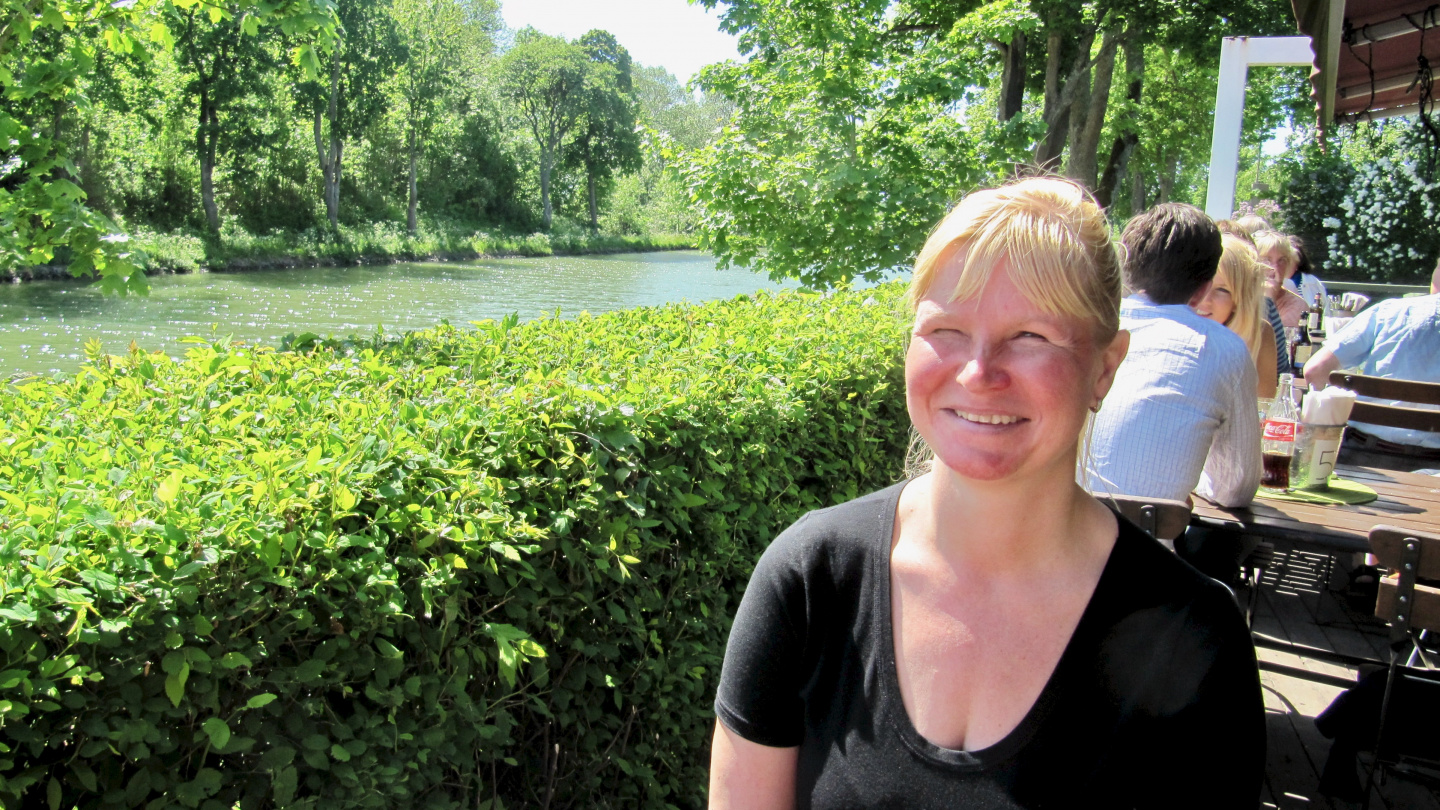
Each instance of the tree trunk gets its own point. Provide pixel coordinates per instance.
(1060, 118)
(594, 209)
(547, 158)
(205, 141)
(329, 150)
(1079, 107)
(1053, 143)
(1125, 144)
(1137, 193)
(410, 212)
(1167, 178)
(1012, 81)
(337, 158)
(1084, 150)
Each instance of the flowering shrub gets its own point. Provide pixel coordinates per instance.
(1387, 230)
(1367, 209)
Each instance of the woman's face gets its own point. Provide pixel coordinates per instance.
(1219, 304)
(1278, 264)
(1274, 282)
(998, 387)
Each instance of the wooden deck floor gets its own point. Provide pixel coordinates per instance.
(1301, 607)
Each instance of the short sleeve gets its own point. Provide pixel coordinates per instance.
(1353, 343)
(760, 683)
(1214, 751)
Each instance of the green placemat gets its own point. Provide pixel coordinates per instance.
(1340, 491)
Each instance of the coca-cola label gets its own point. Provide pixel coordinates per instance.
(1279, 431)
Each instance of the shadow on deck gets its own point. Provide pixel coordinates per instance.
(1296, 604)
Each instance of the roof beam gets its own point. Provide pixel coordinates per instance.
(1398, 27)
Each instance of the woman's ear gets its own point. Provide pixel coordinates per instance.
(1110, 362)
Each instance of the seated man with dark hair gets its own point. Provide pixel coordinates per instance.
(1182, 414)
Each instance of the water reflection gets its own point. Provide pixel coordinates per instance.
(44, 325)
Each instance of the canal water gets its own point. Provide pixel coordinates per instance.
(44, 325)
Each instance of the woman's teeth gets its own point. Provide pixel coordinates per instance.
(988, 419)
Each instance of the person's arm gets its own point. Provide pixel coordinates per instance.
(1292, 307)
(1212, 752)
(760, 714)
(1265, 368)
(1347, 348)
(1232, 469)
(746, 774)
(1317, 370)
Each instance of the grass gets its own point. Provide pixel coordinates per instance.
(377, 242)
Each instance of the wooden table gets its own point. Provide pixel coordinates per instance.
(1407, 501)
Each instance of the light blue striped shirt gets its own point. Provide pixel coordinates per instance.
(1400, 339)
(1182, 414)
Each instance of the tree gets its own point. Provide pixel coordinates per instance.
(548, 80)
(667, 107)
(439, 38)
(849, 140)
(47, 48)
(226, 61)
(608, 142)
(364, 58)
(858, 121)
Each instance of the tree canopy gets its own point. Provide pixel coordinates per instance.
(859, 122)
(48, 51)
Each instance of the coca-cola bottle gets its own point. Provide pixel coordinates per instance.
(1278, 442)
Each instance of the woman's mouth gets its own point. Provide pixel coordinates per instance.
(987, 418)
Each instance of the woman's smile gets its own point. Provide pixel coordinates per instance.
(990, 420)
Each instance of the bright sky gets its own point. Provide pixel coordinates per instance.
(670, 33)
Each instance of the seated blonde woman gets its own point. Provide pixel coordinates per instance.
(1278, 261)
(988, 634)
(1236, 299)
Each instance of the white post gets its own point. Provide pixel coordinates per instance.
(1237, 54)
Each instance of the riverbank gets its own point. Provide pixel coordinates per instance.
(236, 251)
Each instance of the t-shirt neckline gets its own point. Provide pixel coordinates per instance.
(894, 710)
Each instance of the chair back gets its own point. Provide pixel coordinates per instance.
(1403, 602)
(1162, 518)
(1397, 416)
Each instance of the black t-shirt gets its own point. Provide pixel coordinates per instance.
(1154, 703)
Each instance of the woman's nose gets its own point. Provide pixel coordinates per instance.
(983, 371)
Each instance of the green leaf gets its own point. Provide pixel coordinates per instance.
(344, 499)
(260, 700)
(339, 754)
(689, 499)
(169, 489)
(217, 730)
(20, 613)
(235, 660)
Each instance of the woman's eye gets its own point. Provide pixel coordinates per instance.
(1036, 335)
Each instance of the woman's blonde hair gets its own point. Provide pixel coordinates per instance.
(1240, 267)
(1056, 242)
(1253, 224)
(1266, 241)
(1054, 238)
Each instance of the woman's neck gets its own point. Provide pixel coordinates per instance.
(999, 527)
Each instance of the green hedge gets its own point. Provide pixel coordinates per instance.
(470, 568)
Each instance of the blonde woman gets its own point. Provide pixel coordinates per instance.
(1278, 261)
(1237, 300)
(988, 634)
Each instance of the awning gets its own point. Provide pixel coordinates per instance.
(1373, 58)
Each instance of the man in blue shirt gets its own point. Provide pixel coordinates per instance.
(1400, 339)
